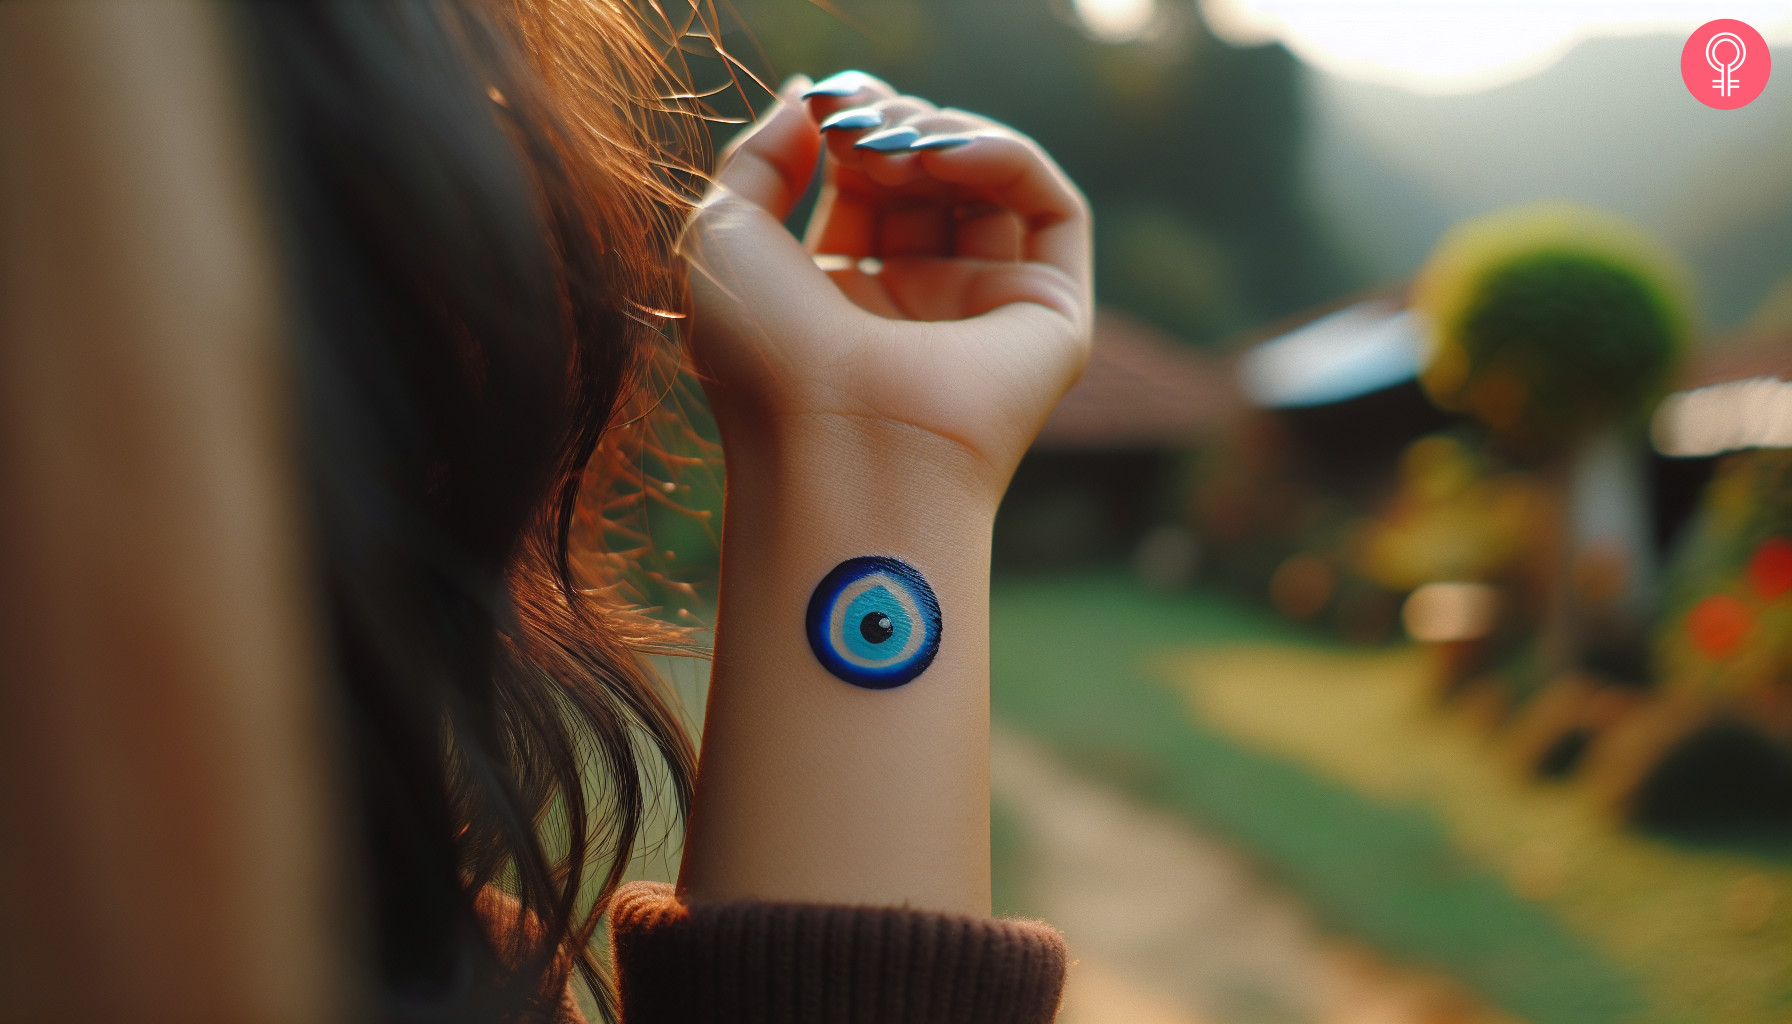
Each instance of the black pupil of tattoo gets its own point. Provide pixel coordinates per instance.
(875, 627)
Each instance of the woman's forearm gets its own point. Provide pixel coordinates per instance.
(811, 788)
(870, 414)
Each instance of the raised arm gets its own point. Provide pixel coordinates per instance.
(870, 422)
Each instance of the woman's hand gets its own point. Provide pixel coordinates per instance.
(868, 413)
(953, 352)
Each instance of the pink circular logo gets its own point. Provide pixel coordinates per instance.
(1725, 64)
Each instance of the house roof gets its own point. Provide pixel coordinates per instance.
(1142, 389)
(1343, 355)
(1739, 357)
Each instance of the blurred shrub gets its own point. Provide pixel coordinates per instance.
(1728, 628)
(1452, 518)
(1549, 322)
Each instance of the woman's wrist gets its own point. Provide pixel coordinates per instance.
(815, 787)
(850, 464)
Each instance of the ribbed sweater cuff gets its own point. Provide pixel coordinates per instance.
(798, 963)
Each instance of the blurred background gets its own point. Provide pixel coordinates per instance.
(1395, 625)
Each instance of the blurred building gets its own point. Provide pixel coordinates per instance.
(1343, 380)
(1105, 468)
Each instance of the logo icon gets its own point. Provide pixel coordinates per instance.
(1725, 84)
(1725, 64)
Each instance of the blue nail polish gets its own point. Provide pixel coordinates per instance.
(844, 83)
(945, 141)
(853, 120)
(893, 140)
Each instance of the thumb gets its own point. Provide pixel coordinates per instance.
(771, 163)
(744, 263)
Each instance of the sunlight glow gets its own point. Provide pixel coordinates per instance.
(1446, 46)
(1117, 21)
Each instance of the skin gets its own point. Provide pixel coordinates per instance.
(868, 414)
(166, 838)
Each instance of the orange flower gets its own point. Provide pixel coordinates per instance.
(1770, 571)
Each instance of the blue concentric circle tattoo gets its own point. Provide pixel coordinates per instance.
(874, 622)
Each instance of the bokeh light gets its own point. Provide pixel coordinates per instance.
(1117, 21)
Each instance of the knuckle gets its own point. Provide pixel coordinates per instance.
(901, 108)
(1079, 202)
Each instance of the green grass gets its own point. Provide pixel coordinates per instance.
(1068, 666)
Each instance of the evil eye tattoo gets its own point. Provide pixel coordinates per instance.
(874, 622)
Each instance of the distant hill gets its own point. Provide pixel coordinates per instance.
(1611, 125)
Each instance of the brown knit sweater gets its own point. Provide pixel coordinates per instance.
(794, 963)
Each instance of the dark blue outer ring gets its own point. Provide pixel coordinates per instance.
(828, 591)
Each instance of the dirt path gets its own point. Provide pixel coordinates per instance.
(1169, 927)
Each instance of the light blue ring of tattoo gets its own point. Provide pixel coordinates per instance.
(874, 622)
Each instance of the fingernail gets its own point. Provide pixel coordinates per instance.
(844, 83)
(945, 141)
(891, 140)
(853, 120)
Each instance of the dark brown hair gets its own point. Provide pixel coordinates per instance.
(481, 202)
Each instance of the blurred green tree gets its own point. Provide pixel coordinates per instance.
(1551, 322)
